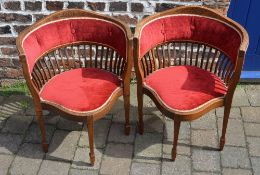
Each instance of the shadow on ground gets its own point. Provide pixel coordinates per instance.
(14, 119)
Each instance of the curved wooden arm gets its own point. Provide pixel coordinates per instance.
(236, 76)
(33, 90)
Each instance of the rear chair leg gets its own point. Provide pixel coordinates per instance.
(90, 126)
(177, 125)
(40, 121)
(127, 112)
(224, 127)
(140, 110)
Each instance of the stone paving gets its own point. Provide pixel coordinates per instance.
(20, 149)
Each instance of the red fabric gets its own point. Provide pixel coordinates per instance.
(185, 87)
(190, 28)
(71, 30)
(82, 89)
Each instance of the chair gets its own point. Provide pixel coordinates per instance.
(78, 63)
(188, 60)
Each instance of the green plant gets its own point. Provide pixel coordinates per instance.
(19, 88)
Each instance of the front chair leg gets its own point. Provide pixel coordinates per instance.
(127, 112)
(90, 126)
(224, 127)
(177, 125)
(40, 121)
(140, 110)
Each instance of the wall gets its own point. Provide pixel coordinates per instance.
(15, 15)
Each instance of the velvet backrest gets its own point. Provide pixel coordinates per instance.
(71, 30)
(188, 27)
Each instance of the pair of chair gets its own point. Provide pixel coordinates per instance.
(188, 60)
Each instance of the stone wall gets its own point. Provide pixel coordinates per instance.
(15, 15)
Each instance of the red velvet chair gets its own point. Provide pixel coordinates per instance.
(77, 63)
(188, 60)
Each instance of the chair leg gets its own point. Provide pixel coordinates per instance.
(177, 125)
(224, 127)
(40, 121)
(140, 96)
(90, 126)
(127, 112)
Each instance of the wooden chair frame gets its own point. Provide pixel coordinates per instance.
(178, 116)
(37, 81)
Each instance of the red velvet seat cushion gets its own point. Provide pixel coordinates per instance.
(80, 90)
(185, 87)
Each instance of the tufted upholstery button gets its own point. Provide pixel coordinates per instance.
(73, 31)
(192, 27)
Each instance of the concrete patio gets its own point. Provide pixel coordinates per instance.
(21, 153)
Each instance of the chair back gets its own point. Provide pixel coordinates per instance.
(195, 36)
(71, 39)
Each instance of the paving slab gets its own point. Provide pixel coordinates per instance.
(82, 172)
(204, 138)
(254, 97)
(27, 160)
(5, 162)
(145, 168)
(17, 124)
(229, 171)
(206, 160)
(153, 123)
(69, 125)
(63, 145)
(183, 147)
(148, 148)
(119, 116)
(251, 114)
(184, 134)
(117, 159)
(181, 166)
(235, 157)
(205, 173)
(252, 129)
(254, 146)
(9, 143)
(117, 134)
(235, 112)
(256, 164)
(30, 110)
(205, 122)
(81, 159)
(101, 128)
(49, 119)
(235, 135)
(34, 133)
(240, 97)
(52, 167)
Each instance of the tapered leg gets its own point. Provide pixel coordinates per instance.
(90, 126)
(140, 110)
(224, 127)
(177, 125)
(127, 111)
(40, 121)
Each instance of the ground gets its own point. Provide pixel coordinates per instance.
(198, 154)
